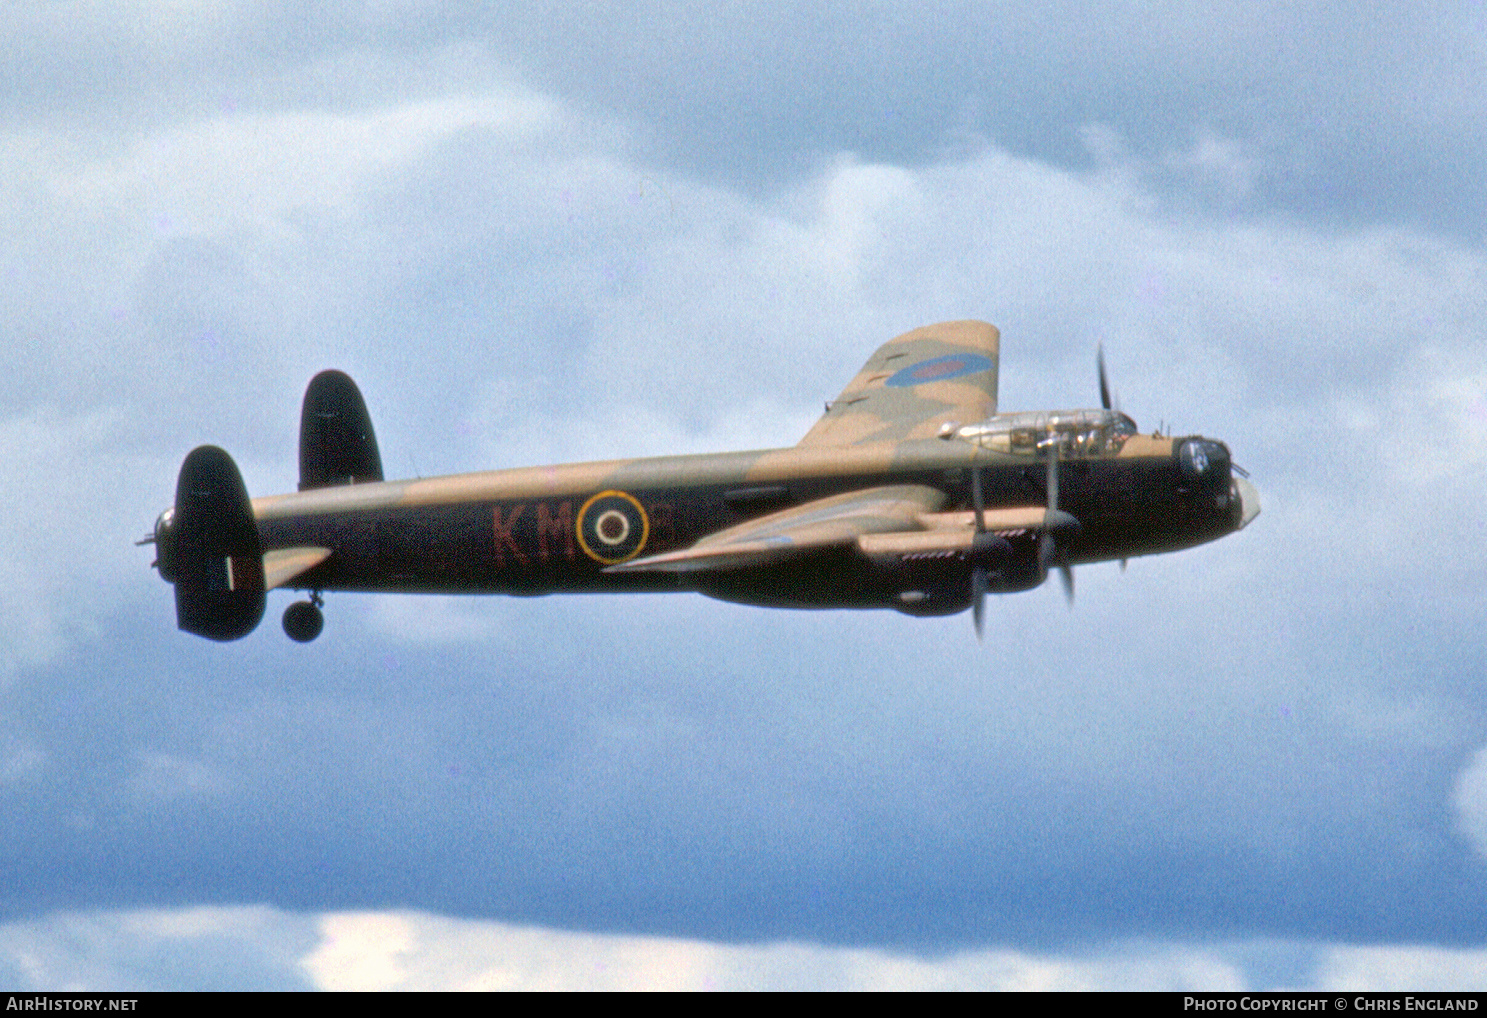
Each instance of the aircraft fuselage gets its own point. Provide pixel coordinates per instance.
(543, 530)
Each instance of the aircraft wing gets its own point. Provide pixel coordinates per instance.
(914, 384)
(284, 564)
(825, 523)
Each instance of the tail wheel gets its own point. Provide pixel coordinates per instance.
(303, 620)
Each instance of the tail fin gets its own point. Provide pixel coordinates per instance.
(336, 443)
(212, 552)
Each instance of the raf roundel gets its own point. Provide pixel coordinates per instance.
(940, 369)
(612, 527)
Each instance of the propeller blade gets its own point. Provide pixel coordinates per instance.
(978, 571)
(983, 545)
(1049, 554)
(1052, 485)
(1109, 398)
(1050, 489)
(977, 502)
(978, 598)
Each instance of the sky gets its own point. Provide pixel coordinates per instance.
(538, 233)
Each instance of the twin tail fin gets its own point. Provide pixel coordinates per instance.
(208, 544)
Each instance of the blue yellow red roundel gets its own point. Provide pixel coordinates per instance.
(612, 527)
(939, 369)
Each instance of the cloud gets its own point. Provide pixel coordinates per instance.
(411, 951)
(158, 949)
(258, 948)
(62, 473)
(1469, 801)
(1254, 739)
(1399, 969)
(1369, 123)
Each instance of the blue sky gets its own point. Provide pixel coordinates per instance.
(541, 235)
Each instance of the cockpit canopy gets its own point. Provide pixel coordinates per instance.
(1076, 432)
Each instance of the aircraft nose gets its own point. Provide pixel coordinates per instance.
(1203, 462)
(1249, 501)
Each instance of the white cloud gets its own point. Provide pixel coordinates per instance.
(64, 479)
(1217, 162)
(19, 762)
(1469, 802)
(438, 620)
(249, 947)
(258, 170)
(362, 952)
(164, 777)
(379, 951)
(1397, 969)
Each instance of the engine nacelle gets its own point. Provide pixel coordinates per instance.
(932, 569)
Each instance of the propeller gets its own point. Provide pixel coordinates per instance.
(978, 568)
(1049, 553)
(987, 549)
(1109, 398)
(1104, 383)
(1109, 404)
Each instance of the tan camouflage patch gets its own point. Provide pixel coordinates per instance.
(913, 384)
(824, 523)
(1146, 445)
(785, 464)
(683, 471)
(1010, 518)
(284, 564)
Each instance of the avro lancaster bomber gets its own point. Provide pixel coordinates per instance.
(911, 492)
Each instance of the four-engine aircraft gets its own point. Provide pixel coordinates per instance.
(911, 493)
